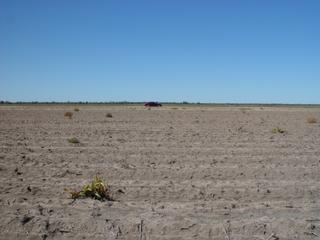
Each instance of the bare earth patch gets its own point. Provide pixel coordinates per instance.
(187, 173)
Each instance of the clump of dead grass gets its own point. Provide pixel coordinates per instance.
(312, 120)
(68, 114)
(109, 115)
(73, 140)
(278, 130)
(97, 189)
(76, 109)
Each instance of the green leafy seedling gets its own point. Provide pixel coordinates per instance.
(278, 130)
(97, 189)
(73, 140)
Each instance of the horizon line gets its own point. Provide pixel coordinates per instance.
(163, 102)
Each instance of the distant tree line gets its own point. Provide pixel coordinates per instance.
(168, 103)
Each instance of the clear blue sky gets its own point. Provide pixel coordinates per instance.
(166, 50)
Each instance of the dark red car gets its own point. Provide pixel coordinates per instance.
(153, 104)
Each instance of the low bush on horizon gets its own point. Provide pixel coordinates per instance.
(109, 115)
(73, 140)
(278, 130)
(312, 120)
(68, 114)
(97, 189)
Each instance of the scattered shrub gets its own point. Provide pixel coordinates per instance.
(278, 130)
(73, 140)
(97, 189)
(76, 109)
(68, 114)
(312, 120)
(109, 115)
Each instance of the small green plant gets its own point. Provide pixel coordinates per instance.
(312, 120)
(278, 130)
(244, 110)
(97, 189)
(76, 109)
(73, 140)
(109, 115)
(68, 114)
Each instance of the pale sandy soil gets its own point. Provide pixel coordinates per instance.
(187, 172)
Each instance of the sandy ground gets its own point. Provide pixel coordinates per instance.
(187, 172)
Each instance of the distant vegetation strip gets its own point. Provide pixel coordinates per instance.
(165, 103)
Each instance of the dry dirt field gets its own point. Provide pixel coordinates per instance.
(189, 172)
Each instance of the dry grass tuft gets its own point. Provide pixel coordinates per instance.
(109, 115)
(97, 189)
(73, 140)
(278, 130)
(68, 114)
(312, 120)
(76, 109)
